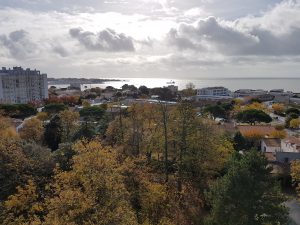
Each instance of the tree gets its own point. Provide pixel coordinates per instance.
(252, 116)
(295, 123)
(216, 111)
(289, 118)
(247, 194)
(92, 192)
(189, 90)
(92, 113)
(69, 124)
(144, 90)
(53, 108)
(292, 110)
(19, 162)
(295, 173)
(86, 104)
(6, 128)
(52, 135)
(20, 111)
(279, 134)
(278, 108)
(23, 207)
(241, 143)
(42, 116)
(32, 130)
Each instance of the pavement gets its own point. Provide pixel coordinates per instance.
(294, 207)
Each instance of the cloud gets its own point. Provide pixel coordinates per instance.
(60, 50)
(247, 36)
(106, 40)
(18, 44)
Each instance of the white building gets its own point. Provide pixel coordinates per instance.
(22, 86)
(283, 151)
(271, 145)
(248, 92)
(213, 91)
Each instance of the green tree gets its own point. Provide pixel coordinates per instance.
(247, 194)
(53, 108)
(252, 116)
(92, 113)
(18, 110)
(292, 110)
(52, 135)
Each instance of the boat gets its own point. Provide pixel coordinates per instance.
(171, 82)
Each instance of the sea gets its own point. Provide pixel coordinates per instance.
(288, 84)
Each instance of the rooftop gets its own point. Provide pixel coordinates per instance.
(272, 142)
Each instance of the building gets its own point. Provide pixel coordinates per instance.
(280, 96)
(281, 151)
(271, 145)
(213, 91)
(173, 89)
(248, 92)
(22, 86)
(290, 144)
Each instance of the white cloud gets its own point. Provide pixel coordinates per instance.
(161, 37)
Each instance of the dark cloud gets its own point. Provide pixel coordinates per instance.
(60, 51)
(18, 44)
(106, 40)
(213, 35)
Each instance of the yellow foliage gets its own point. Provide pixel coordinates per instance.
(23, 207)
(69, 123)
(6, 128)
(279, 108)
(279, 134)
(32, 130)
(295, 123)
(86, 103)
(255, 134)
(42, 116)
(255, 105)
(295, 173)
(92, 192)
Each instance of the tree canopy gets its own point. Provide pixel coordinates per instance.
(247, 194)
(252, 116)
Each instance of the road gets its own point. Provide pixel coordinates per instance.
(294, 207)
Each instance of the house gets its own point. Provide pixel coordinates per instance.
(281, 151)
(270, 145)
(290, 144)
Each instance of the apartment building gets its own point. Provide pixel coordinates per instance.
(22, 86)
(214, 91)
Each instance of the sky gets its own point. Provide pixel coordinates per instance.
(179, 39)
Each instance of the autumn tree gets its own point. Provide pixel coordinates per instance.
(278, 108)
(295, 123)
(42, 116)
(69, 124)
(32, 130)
(295, 173)
(23, 207)
(247, 194)
(92, 192)
(6, 128)
(19, 162)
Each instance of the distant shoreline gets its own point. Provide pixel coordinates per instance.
(61, 81)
